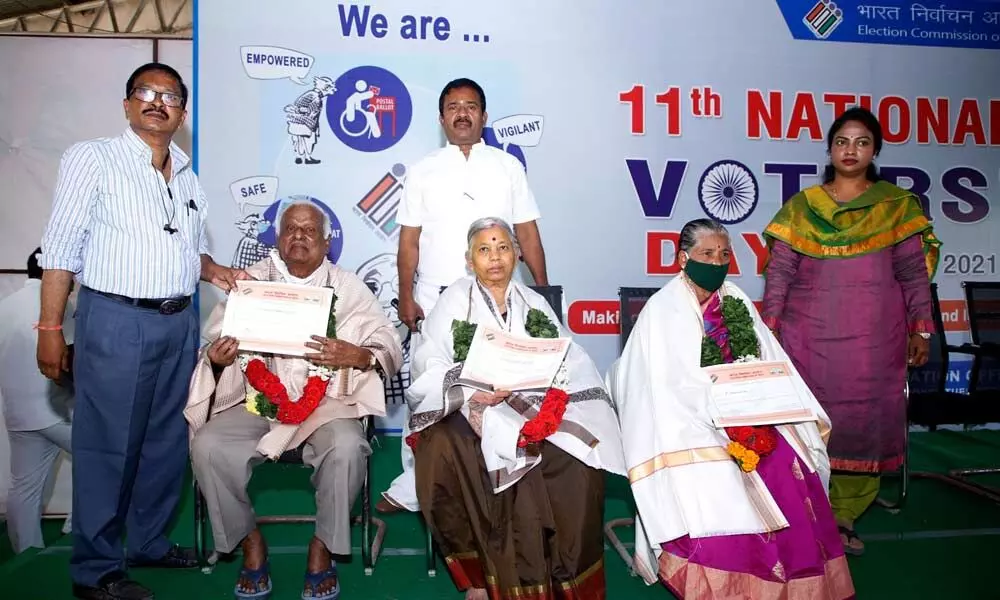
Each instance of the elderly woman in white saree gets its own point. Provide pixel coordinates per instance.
(735, 512)
(514, 520)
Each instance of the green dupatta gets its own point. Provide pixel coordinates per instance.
(814, 224)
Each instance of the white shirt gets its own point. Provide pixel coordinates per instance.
(444, 193)
(107, 221)
(31, 400)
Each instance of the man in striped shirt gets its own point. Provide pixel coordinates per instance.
(128, 222)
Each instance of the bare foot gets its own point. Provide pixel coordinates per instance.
(319, 561)
(254, 557)
(476, 594)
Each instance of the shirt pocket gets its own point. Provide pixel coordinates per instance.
(190, 214)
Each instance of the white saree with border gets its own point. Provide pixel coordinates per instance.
(683, 479)
(589, 430)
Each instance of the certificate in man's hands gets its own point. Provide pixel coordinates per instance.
(500, 361)
(276, 318)
(756, 393)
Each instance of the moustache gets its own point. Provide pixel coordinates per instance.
(462, 120)
(155, 111)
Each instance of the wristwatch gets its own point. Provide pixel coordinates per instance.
(372, 362)
(924, 335)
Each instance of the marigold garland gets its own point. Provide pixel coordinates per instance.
(748, 445)
(746, 459)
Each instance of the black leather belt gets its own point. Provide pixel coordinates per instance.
(165, 306)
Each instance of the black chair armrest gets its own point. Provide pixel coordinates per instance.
(990, 349)
(967, 349)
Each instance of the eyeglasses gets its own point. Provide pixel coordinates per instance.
(169, 98)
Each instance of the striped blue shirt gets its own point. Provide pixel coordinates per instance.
(107, 220)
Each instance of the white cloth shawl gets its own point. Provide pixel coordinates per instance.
(589, 430)
(683, 480)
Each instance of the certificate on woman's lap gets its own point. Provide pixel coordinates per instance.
(500, 361)
(756, 393)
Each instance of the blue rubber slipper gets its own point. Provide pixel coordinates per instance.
(315, 580)
(256, 577)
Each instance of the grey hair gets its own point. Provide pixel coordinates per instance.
(489, 223)
(695, 229)
(303, 201)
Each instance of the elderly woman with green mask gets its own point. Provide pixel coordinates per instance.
(723, 512)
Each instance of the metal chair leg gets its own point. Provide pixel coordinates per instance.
(955, 478)
(962, 476)
(366, 522)
(206, 561)
(431, 554)
(609, 532)
(200, 543)
(371, 542)
(904, 470)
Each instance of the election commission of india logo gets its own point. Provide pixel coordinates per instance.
(823, 18)
(370, 110)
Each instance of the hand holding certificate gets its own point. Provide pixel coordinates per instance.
(276, 318)
(500, 361)
(755, 393)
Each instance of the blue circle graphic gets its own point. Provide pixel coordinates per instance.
(490, 138)
(269, 237)
(728, 192)
(371, 109)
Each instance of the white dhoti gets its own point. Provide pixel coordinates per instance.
(403, 491)
(224, 453)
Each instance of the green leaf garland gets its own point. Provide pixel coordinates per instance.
(461, 335)
(742, 337)
(537, 324)
(265, 408)
(331, 324)
(711, 354)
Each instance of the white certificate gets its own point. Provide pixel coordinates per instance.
(756, 393)
(276, 318)
(500, 361)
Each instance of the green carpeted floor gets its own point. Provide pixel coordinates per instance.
(941, 545)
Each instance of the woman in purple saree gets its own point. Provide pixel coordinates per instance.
(734, 512)
(847, 293)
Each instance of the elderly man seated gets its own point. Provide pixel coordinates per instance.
(226, 446)
(517, 510)
(724, 512)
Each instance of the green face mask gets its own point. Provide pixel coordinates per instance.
(707, 276)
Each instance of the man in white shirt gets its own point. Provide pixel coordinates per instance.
(36, 410)
(444, 193)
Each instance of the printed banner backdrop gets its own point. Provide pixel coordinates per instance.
(630, 118)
